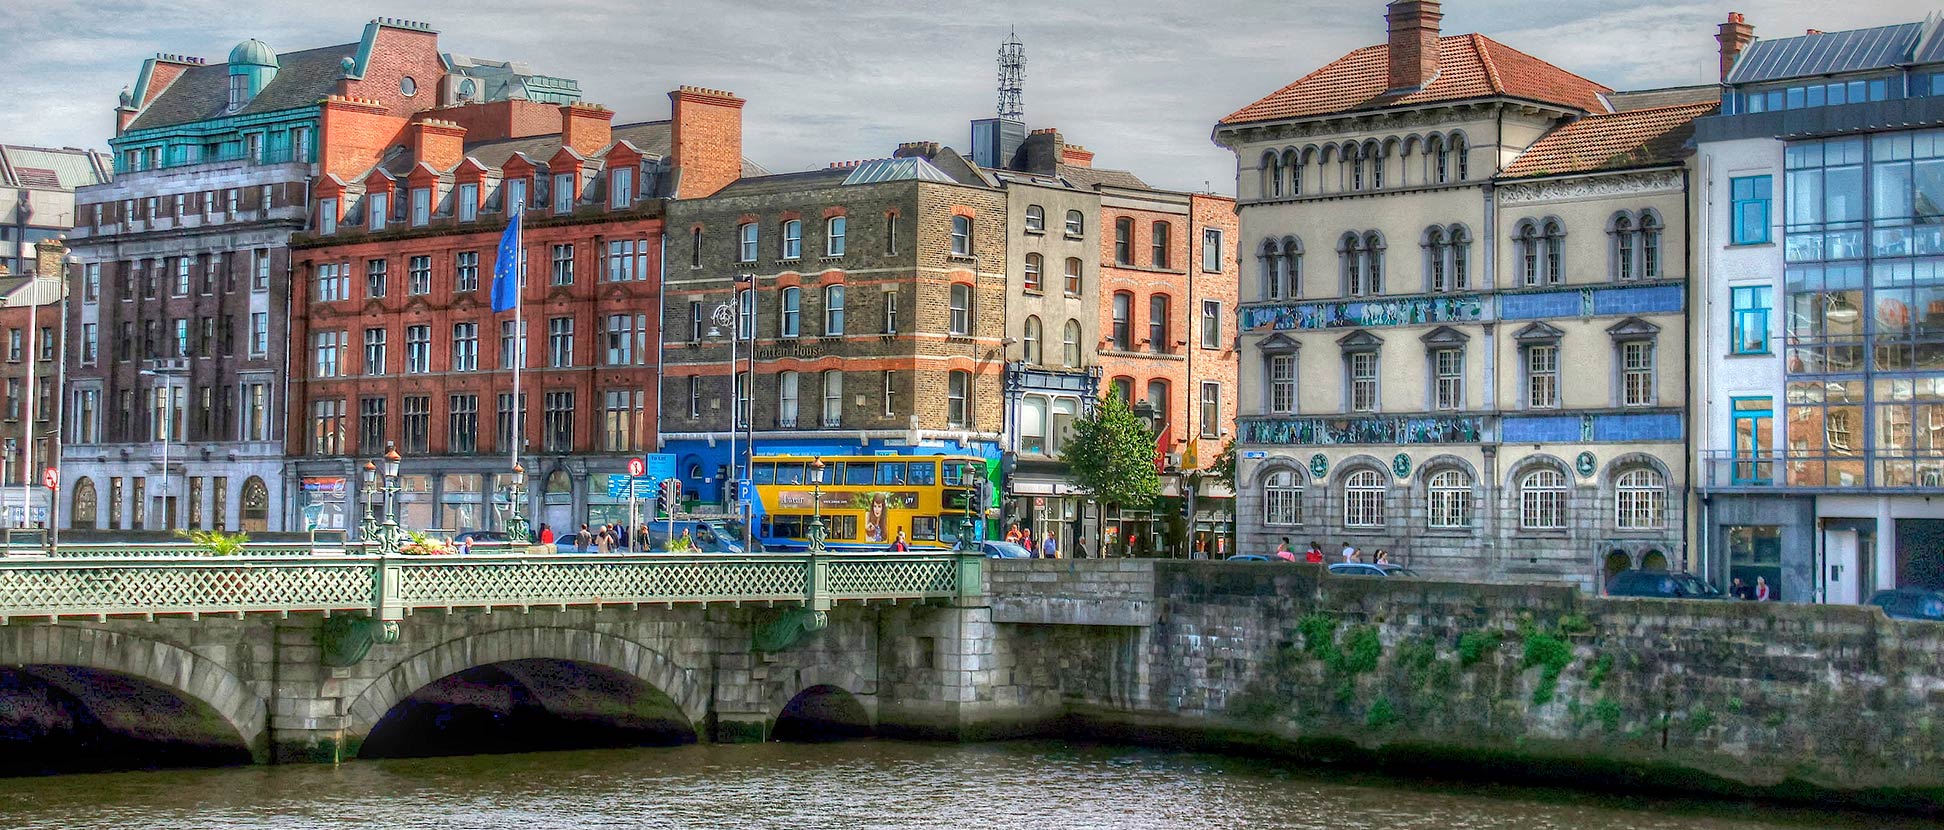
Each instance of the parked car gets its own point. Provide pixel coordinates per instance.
(705, 537)
(1251, 557)
(1004, 550)
(1664, 584)
(479, 536)
(1367, 569)
(1910, 603)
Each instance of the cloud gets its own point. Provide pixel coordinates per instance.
(1140, 82)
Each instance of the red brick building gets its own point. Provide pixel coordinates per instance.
(394, 341)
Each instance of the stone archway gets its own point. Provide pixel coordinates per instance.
(1617, 560)
(507, 645)
(171, 667)
(836, 677)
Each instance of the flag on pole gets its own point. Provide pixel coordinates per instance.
(506, 266)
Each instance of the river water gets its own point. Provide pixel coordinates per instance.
(1035, 785)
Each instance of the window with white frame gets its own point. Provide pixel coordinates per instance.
(1210, 416)
(958, 400)
(1211, 324)
(465, 347)
(560, 342)
(621, 187)
(333, 282)
(833, 397)
(465, 271)
(889, 390)
(1035, 264)
(1282, 383)
(563, 264)
(834, 229)
(1211, 251)
(468, 202)
(374, 351)
(833, 297)
(746, 242)
(1637, 373)
(1160, 235)
(1073, 276)
(792, 239)
(1122, 336)
(328, 347)
(418, 349)
(563, 192)
(961, 309)
(1640, 500)
(890, 297)
(1449, 499)
(1363, 381)
(260, 280)
(1363, 499)
(1542, 376)
(1280, 263)
(790, 312)
(1542, 500)
(327, 216)
(786, 400)
(1035, 219)
(376, 277)
(961, 236)
(1031, 339)
(1076, 224)
(418, 275)
(378, 206)
(1032, 425)
(1070, 344)
(1282, 499)
(421, 206)
(1448, 368)
(1362, 262)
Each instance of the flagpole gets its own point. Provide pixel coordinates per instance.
(519, 336)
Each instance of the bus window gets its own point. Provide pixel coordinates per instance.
(764, 473)
(859, 473)
(790, 472)
(924, 528)
(954, 473)
(923, 473)
(787, 527)
(843, 528)
(890, 472)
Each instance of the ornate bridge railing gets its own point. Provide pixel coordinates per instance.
(388, 588)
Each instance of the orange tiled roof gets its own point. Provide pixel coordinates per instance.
(1469, 66)
(1622, 139)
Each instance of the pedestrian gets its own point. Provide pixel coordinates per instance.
(546, 534)
(1080, 548)
(1383, 557)
(1221, 547)
(1762, 589)
(1314, 555)
(1740, 590)
(899, 544)
(584, 540)
(1133, 544)
(1026, 539)
(1012, 533)
(604, 541)
(644, 540)
(465, 545)
(1049, 549)
(1349, 552)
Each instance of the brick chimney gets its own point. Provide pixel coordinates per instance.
(1041, 153)
(586, 127)
(1413, 42)
(705, 140)
(441, 145)
(926, 150)
(1735, 35)
(50, 258)
(1075, 155)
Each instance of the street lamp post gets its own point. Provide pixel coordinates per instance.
(391, 537)
(816, 501)
(368, 526)
(516, 524)
(168, 428)
(972, 502)
(733, 316)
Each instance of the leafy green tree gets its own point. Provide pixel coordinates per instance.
(1111, 456)
(1222, 468)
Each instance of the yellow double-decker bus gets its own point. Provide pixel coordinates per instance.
(867, 500)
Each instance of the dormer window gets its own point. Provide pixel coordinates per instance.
(239, 91)
(516, 192)
(563, 193)
(380, 210)
(621, 188)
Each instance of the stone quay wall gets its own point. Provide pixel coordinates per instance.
(1795, 702)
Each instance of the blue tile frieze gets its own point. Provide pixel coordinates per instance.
(1403, 311)
(1329, 431)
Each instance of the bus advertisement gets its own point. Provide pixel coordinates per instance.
(867, 500)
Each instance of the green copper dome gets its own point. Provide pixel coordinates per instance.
(252, 52)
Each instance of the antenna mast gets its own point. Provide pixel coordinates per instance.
(1012, 70)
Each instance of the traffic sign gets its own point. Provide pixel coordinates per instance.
(661, 465)
(745, 491)
(621, 487)
(51, 478)
(637, 467)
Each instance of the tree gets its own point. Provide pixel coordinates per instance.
(1222, 468)
(1111, 456)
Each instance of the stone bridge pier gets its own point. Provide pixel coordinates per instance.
(310, 687)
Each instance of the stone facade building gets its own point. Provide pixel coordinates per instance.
(1463, 336)
(867, 302)
(30, 384)
(181, 290)
(1821, 436)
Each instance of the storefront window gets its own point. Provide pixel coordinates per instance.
(1756, 551)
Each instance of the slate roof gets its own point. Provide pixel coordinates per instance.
(1643, 99)
(1621, 140)
(1470, 66)
(303, 78)
(1093, 178)
(785, 182)
(51, 169)
(1826, 53)
(650, 137)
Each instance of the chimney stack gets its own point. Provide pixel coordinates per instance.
(586, 127)
(705, 141)
(1413, 42)
(441, 145)
(1735, 35)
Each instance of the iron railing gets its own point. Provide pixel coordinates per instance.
(390, 587)
(1729, 471)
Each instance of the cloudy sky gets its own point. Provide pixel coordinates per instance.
(1140, 82)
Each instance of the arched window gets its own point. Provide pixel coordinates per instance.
(1124, 241)
(1159, 340)
(1640, 500)
(1294, 161)
(1123, 388)
(1123, 334)
(1034, 265)
(1376, 154)
(1623, 247)
(789, 322)
(256, 506)
(1460, 154)
(1282, 498)
(834, 235)
(961, 236)
(1440, 158)
(1356, 159)
(82, 515)
(1363, 499)
(1527, 240)
(1035, 219)
(1031, 340)
(793, 239)
(1158, 244)
(1650, 247)
(1460, 241)
(1073, 276)
(1436, 259)
(1542, 500)
(1555, 252)
(1449, 495)
(1350, 254)
(786, 400)
(1280, 267)
(1070, 344)
(746, 242)
(833, 310)
(958, 398)
(1076, 224)
(1272, 177)
(1157, 398)
(1373, 257)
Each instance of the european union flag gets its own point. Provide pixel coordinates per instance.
(506, 266)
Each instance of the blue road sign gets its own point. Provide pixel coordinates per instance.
(620, 486)
(745, 491)
(661, 465)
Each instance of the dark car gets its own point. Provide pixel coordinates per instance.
(1663, 584)
(1365, 569)
(1004, 550)
(1910, 603)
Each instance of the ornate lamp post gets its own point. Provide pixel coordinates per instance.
(972, 502)
(816, 498)
(391, 537)
(368, 526)
(516, 524)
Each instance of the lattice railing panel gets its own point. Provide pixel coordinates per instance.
(61, 588)
(554, 580)
(902, 576)
(150, 550)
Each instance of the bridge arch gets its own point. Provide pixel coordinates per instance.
(509, 645)
(829, 676)
(182, 672)
(825, 703)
